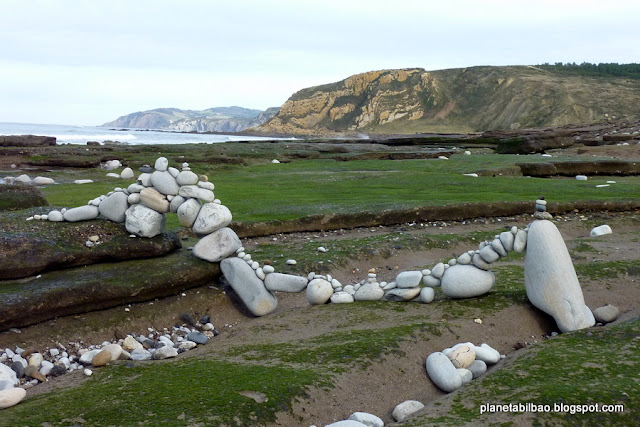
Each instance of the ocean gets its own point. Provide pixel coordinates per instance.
(69, 134)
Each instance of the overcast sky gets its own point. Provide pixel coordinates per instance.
(88, 62)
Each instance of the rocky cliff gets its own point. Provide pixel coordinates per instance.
(218, 119)
(456, 100)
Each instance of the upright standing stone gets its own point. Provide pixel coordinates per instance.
(550, 279)
(114, 206)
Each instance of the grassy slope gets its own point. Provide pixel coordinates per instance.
(286, 191)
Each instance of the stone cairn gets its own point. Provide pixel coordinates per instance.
(550, 278)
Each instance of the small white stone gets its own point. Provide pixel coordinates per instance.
(291, 262)
(88, 372)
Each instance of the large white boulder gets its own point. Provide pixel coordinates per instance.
(466, 281)
(143, 221)
(212, 217)
(164, 182)
(6, 373)
(550, 279)
(11, 396)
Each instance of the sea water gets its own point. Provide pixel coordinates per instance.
(69, 134)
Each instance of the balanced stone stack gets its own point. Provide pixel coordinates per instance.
(458, 365)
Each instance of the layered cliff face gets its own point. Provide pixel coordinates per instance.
(219, 119)
(457, 100)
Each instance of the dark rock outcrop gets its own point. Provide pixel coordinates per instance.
(26, 140)
(38, 246)
(100, 286)
(20, 196)
(597, 167)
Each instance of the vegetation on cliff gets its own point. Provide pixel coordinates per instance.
(460, 100)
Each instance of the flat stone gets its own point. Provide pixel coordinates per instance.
(196, 192)
(135, 188)
(550, 279)
(342, 297)
(285, 282)
(164, 182)
(520, 241)
(606, 314)
(600, 231)
(155, 200)
(507, 238)
(466, 281)
(248, 287)
(427, 295)
(405, 409)
(486, 353)
(206, 185)
(144, 222)
(369, 292)
(141, 354)
(218, 245)
(430, 281)
(165, 352)
(211, 217)
(319, 291)
(442, 372)
(367, 419)
(497, 246)
(114, 206)
(477, 261)
(11, 397)
(188, 212)
(402, 294)
(197, 337)
(82, 213)
(409, 279)
(41, 180)
(489, 255)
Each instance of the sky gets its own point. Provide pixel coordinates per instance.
(89, 62)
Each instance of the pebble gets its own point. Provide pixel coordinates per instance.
(342, 297)
(279, 282)
(477, 368)
(600, 231)
(430, 281)
(269, 269)
(140, 354)
(427, 295)
(405, 409)
(467, 281)
(291, 262)
(369, 292)
(465, 375)
(165, 352)
(606, 314)
(486, 353)
(581, 177)
(88, 372)
(402, 294)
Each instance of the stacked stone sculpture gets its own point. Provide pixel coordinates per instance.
(550, 279)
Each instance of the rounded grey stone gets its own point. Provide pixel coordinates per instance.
(409, 279)
(114, 206)
(520, 242)
(405, 409)
(442, 372)
(606, 314)
(144, 222)
(430, 281)
(507, 238)
(55, 216)
(438, 270)
(402, 294)
(427, 294)
(489, 255)
(82, 213)
(164, 183)
(497, 246)
(466, 281)
(211, 217)
(319, 291)
(477, 368)
(188, 212)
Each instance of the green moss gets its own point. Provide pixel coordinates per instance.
(193, 392)
(607, 269)
(338, 351)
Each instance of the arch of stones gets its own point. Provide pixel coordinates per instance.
(550, 279)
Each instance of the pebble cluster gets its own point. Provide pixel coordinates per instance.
(21, 369)
(458, 365)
